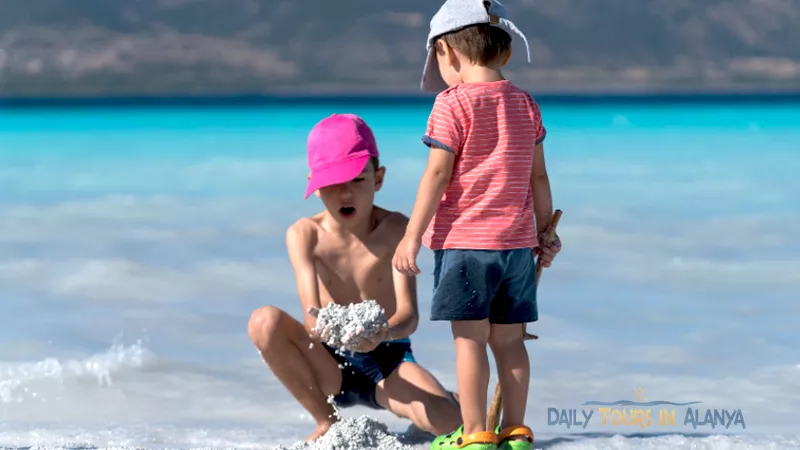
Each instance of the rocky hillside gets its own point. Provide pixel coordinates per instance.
(104, 47)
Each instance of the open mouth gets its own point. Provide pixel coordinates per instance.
(347, 211)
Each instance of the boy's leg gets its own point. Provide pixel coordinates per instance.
(465, 283)
(412, 392)
(310, 374)
(513, 371)
(514, 306)
(472, 371)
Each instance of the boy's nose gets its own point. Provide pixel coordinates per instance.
(345, 191)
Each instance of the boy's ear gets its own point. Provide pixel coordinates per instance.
(445, 50)
(440, 46)
(507, 58)
(450, 54)
(379, 174)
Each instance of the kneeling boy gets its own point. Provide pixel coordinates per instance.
(344, 255)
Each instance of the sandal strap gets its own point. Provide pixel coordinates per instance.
(516, 430)
(481, 437)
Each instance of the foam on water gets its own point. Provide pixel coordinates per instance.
(26, 381)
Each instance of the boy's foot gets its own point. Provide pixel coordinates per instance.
(414, 431)
(321, 429)
(515, 438)
(483, 440)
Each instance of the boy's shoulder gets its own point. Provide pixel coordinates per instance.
(453, 94)
(448, 93)
(388, 225)
(391, 225)
(462, 93)
(304, 232)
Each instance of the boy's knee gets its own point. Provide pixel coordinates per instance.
(474, 330)
(418, 414)
(436, 415)
(263, 325)
(504, 335)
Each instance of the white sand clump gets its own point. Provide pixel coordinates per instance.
(359, 433)
(342, 327)
(332, 402)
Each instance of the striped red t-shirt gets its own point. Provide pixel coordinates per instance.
(493, 129)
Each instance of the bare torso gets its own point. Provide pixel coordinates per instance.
(352, 270)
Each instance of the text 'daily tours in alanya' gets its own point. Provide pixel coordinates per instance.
(644, 415)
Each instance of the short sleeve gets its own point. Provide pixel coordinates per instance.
(540, 131)
(445, 128)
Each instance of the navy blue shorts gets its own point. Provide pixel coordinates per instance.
(363, 371)
(499, 285)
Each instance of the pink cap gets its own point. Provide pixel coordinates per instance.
(338, 149)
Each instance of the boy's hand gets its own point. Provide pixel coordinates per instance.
(322, 335)
(547, 250)
(370, 343)
(405, 256)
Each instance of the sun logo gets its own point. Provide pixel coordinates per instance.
(639, 394)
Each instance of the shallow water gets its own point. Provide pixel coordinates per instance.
(135, 243)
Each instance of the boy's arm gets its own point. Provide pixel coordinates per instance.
(540, 186)
(300, 241)
(444, 136)
(431, 189)
(406, 317)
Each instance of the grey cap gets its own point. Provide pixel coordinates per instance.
(457, 14)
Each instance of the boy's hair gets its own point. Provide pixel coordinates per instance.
(483, 43)
(376, 164)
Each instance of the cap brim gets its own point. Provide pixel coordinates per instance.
(337, 173)
(432, 80)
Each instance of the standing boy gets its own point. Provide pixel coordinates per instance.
(484, 183)
(343, 255)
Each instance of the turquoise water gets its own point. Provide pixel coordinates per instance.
(134, 243)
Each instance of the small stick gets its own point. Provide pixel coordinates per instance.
(497, 400)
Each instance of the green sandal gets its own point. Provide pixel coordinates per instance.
(483, 440)
(515, 444)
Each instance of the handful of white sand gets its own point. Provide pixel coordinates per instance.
(343, 327)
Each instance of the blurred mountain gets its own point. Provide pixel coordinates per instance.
(115, 47)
